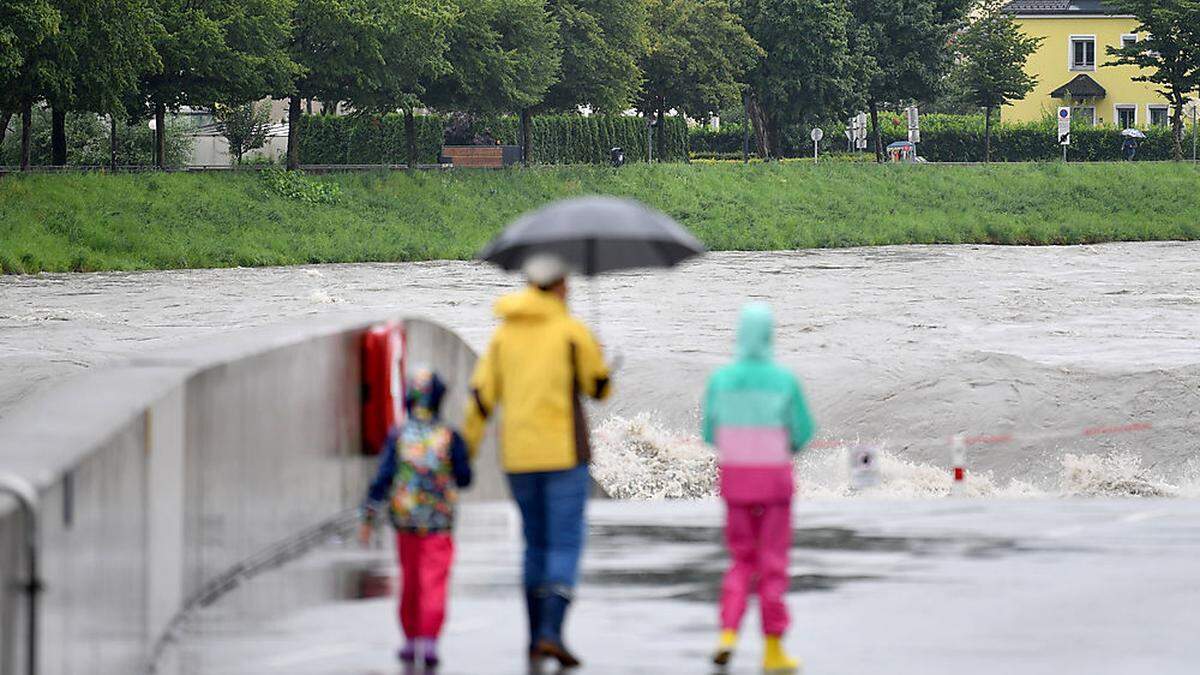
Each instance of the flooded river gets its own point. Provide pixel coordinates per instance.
(904, 346)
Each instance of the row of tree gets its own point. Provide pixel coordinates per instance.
(784, 62)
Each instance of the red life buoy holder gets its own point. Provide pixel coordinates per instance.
(383, 377)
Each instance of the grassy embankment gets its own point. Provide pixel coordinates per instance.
(144, 221)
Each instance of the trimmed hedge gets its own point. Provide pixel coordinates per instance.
(328, 139)
(960, 138)
(557, 139)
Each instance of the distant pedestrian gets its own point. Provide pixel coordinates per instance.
(1129, 148)
(756, 416)
(422, 464)
(539, 364)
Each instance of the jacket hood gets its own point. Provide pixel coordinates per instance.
(755, 332)
(530, 303)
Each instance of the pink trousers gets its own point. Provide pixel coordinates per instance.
(759, 537)
(424, 575)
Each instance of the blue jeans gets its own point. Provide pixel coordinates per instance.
(552, 505)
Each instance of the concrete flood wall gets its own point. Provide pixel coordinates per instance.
(165, 475)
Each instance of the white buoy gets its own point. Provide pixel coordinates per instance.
(864, 467)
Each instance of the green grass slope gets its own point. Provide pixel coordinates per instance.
(148, 221)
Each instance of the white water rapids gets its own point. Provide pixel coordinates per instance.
(892, 342)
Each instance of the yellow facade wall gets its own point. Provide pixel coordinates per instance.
(1051, 65)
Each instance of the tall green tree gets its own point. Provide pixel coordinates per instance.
(805, 76)
(371, 54)
(95, 60)
(698, 58)
(1168, 53)
(902, 50)
(232, 51)
(601, 42)
(25, 28)
(992, 53)
(503, 55)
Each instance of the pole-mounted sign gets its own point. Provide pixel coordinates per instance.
(860, 141)
(1064, 126)
(1064, 129)
(816, 135)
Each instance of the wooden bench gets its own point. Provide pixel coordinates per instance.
(481, 156)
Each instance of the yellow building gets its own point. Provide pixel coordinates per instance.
(1070, 68)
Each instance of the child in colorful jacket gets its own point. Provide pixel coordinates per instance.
(755, 415)
(422, 464)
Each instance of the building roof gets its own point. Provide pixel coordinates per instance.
(1060, 7)
(1081, 87)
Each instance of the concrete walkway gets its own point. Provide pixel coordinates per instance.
(921, 587)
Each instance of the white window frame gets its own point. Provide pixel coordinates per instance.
(1134, 37)
(1118, 107)
(1085, 107)
(1071, 53)
(1151, 107)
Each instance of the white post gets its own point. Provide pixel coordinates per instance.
(958, 461)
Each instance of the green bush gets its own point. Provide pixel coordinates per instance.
(88, 142)
(959, 138)
(328, 139)
(557, 139)
(296, 186)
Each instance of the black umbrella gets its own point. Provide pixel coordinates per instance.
(594, 235)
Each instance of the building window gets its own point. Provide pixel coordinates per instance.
(1084, 115)
(1083, 52)
(1159, 116)
(1129, 39)
(1126, 116)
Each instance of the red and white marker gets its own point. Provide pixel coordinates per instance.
(958, 460)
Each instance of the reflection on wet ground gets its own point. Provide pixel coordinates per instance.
(1006, 579)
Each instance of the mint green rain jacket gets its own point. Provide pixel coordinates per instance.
(755, 415)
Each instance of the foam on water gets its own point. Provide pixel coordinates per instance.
(639, 458)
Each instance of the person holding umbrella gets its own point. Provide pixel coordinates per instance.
(540, 363)
(1130, 145)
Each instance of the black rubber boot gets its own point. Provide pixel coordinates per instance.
(533, 606)
(554, 606)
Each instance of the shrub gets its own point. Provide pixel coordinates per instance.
(88, 141)
(960, 138)
(297, 186)
(557, 139)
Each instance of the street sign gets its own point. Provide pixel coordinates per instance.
(817, 134)
(914, 125)
(1064, 125)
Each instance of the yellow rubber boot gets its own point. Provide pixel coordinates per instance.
(725, 645)
(775, 660)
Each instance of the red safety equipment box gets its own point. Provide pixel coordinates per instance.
(382, 383)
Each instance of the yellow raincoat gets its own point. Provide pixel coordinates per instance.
(539, 363)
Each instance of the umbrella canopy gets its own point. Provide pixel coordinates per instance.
(595, 235)
(1133, 133)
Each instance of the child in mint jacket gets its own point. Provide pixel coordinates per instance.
(755, 415)
(422, 465)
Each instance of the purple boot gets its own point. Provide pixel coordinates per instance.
(408, 654)
(429, 653)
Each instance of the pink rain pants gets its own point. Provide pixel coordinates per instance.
(425, 573)
(759, 537)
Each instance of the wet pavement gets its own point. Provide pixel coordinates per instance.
(980, 586)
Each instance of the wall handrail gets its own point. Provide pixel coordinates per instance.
(27, 497)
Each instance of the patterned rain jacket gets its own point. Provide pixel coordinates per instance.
(755, 415)
(422, 464)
